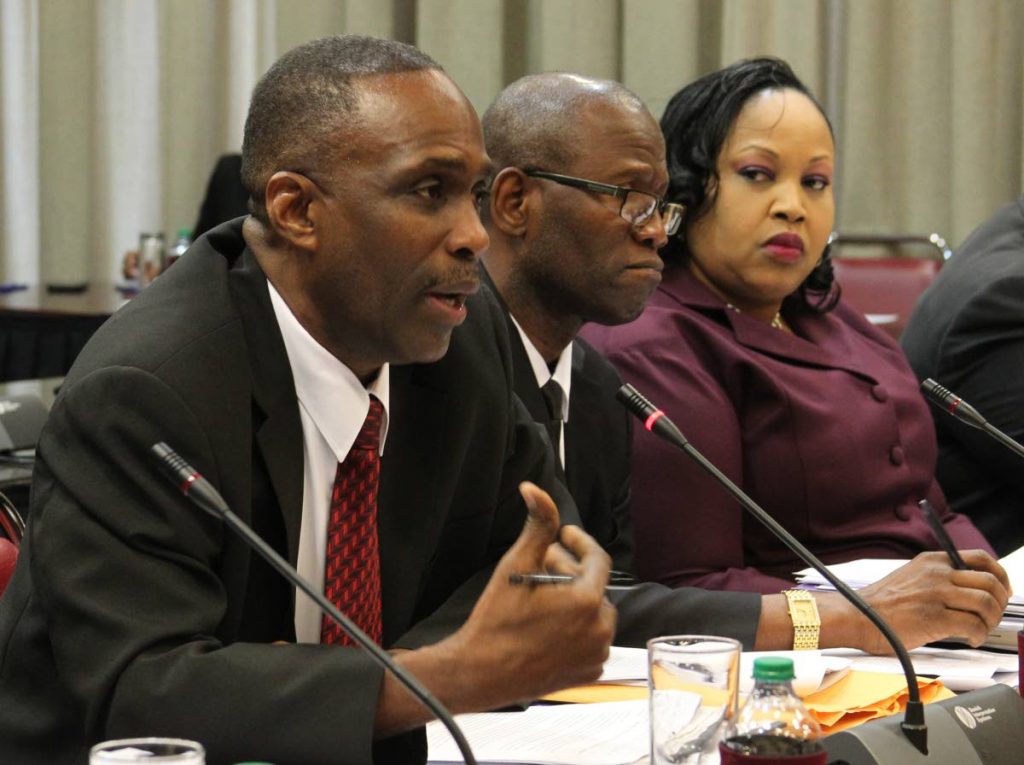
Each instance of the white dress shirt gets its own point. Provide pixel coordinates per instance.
(562, 375)
(333, 405)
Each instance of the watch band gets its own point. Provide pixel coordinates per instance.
(803, 610)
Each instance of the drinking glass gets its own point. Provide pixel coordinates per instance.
(693, 682)
(148, 751)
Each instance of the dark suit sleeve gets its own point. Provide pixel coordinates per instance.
(981, 359)
(654, 609)
(130, 577)
(619, 544)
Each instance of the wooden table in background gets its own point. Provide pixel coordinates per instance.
(42, 332)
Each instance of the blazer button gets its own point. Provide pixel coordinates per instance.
(904, 512)
(896, 455)
(880, 394)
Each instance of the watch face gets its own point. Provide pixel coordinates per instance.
(804, 612)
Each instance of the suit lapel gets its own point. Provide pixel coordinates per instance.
(276, 423)
(583, 429)
(524, 380)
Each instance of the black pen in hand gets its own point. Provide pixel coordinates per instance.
(617, 580)
(941, 534)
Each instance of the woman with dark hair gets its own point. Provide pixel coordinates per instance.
(749, 349)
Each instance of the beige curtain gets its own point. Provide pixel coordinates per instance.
(113, 112)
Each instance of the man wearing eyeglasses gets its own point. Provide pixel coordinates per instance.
(576, 219)
(575, 235)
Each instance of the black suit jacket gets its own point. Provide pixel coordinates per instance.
(967, 332)
(132, 613)
(598, 443)
(597, 436)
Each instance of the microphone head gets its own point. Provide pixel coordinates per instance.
(943, 398)
(653, 418)
(635, 402)
(189, 481)
(936, 393)
(173, 465)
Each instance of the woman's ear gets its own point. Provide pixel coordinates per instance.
(509, 208)
(288, 198)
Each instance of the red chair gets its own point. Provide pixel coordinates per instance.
(885, 287)
(8, 557)
(12, 529)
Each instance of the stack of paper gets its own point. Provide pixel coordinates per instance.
(860, 573)
(959, 669)
(863, 696)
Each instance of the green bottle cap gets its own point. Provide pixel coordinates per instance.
(186, 233)
(773, 668)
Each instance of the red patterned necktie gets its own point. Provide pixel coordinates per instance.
(352, 571)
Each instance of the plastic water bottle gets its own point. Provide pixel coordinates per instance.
(181, 245)
(773, 726)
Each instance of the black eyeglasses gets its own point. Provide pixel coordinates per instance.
(638, 207)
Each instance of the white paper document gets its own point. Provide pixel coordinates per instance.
(625, 665)
(860, 573)
(615, 733)
(959, 669)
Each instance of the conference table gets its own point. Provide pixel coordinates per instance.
(42, 331)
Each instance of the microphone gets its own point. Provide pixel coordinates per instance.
(913, 725)
(192, 484)
(952, 404)
(970, 729)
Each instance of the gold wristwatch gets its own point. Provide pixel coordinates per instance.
(806, 622)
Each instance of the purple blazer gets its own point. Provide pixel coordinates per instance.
(825, 428)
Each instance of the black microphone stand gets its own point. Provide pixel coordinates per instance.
(191, 483)
(913, 725)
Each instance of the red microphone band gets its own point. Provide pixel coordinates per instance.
(656, 415)
(955, 404)
(187, 483)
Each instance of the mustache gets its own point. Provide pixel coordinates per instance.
(456, 278)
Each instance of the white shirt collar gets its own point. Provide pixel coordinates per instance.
(327, 390)
(563, 368)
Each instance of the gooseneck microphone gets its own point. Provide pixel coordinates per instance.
(654, 420)
(192, 484)
(944, 399)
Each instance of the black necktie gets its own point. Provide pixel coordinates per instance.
(554, 397)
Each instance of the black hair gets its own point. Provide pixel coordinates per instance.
(305, 98)
(696, 124)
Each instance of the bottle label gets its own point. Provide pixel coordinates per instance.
(1020, 662)
(771, 750)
